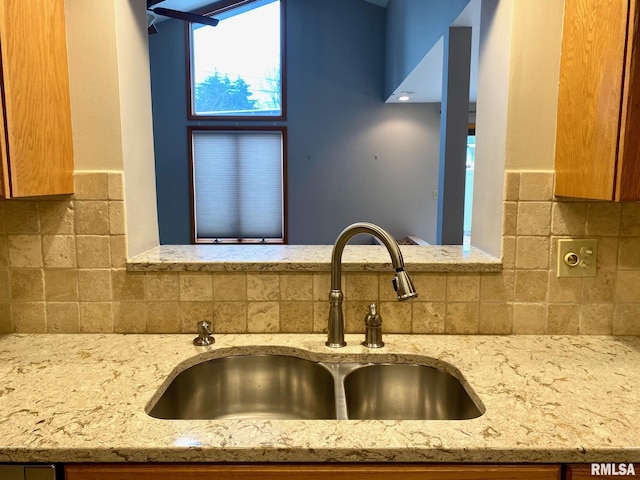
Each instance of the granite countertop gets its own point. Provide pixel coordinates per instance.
(310, 258)
(82, 398)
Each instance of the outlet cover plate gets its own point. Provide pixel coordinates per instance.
(577, 257)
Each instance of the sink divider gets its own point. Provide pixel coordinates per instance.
(339, 371)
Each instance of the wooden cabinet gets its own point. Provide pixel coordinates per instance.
(598, 129)
(35, 139)
(385, 471)
(601, 471)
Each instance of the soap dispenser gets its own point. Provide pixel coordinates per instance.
(373, 328)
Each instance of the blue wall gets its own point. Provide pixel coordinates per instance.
(413, 28)
(350, 156)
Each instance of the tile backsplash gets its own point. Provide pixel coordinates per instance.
(62, 269)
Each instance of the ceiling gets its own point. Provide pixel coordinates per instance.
(191, 5)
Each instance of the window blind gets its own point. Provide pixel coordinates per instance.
(238, 185)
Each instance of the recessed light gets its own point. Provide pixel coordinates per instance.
(404, 96)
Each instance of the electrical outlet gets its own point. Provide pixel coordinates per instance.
(577, 257)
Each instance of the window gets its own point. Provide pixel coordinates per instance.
(238, 159)
(236, 67)
(238, 187)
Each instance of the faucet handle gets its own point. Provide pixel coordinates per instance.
(204, 337)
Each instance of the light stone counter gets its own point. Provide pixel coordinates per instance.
(82, 398)
(310, 258)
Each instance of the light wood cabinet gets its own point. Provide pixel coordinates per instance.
(598, 129)
(35, 139)
(311, 472)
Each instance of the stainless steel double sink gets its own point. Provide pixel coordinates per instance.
(287, 387)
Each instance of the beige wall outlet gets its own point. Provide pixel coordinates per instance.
(577, 257)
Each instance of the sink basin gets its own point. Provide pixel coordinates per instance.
(406, 392)
(250, 386)
(286, 387)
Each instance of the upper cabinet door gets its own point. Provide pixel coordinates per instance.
(597, 139)
(36, 142)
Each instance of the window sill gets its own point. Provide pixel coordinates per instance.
(309, 258)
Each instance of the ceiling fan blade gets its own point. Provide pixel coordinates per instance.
(187, 17)
(152, 29)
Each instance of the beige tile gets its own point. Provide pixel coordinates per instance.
(195, 287)
(117, 218)
(296, 286)
(321, 286)
(428, 317)
(564, 289)
(163, 317)
(118, 246)
(115, 185)
(29, 317)
(192, 313)
(90, 185)
(320, 317)
(534, 218)
(599, 289)
(511, 185)
(497, 287)
(607, 253)
(263, 317)
(569, 218)
(63, 317)
(431, 287)
(531, 285)
(6, 325)
(5, 285)
(630, 219)
(229, 287)
(529, 318)
(93, 251)
(296, 317)
(127, 285)
(61, 285)
(96, 317)
(92, 217)
(354, 314)
(21, 217)
(397, 317)
(563, 319)
(230, 317)
(130, 317)
(463, 287)
(603, 218)
(361, 286)
(596, 319)
(94, 285)
(27, 285)
(532, 253)
(3, 223)
(462, 318)
(626, 319)
(509, 218)
(496, 318)
(263, 286)
(536, 185)
(57, 217)
(626, 290)
(59, 251)
(4, 251)
(508, 252)
(629, 253)
(25, 251)
(161, 286)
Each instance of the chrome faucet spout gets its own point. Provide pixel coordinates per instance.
(401, 281)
